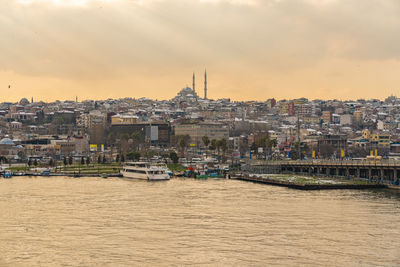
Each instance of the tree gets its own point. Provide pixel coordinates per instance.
(206, 142)
(21, 155)
(224, 146)
(133, 155)
(136, 137)
(30, 162)
(35, 162)
(65, 161)
(82, 161)
(104, 159)
(88, 161)
(51, 162)
(117, 158)
(182, 146)
(123, 142)
(124, 136)
(294, 152)
(111, 141)
(221, 145)
(122, 158)
(111, 138)
(174, 157)
(70, 160)
(99, 159)
(183, 142)
(213, 145)
(273, 144)
(3, 159)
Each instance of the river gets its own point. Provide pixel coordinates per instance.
(115, 222)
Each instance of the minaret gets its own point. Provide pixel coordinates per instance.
(194, 88)
(205, 84)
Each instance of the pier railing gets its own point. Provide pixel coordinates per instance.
(350, 163)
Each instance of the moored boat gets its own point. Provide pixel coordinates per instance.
(7, 174)
(144, 171)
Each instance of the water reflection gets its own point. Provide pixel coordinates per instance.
(115, 222)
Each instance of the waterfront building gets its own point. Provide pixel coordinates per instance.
(196, 131)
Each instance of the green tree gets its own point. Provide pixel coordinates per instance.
(123, 142)
(82, 161)
(272, 144)
(294, 151)
(136, 138)
(117, 158)
(133, 155)
(124, 137)
(70, 160)
(35, 162)
(87, 161)
(111, 141)
(21, 155)
(183, 142)
(224, 147)
(174, 157)
(104, 161)
(221, 144)
(65, 161)
(213, 145)
(30, 162)
(51, 162)
(122, 158)
(99, 159)
(111, 138)
(206, 142)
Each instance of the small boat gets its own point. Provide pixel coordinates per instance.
(7, 174)
(105, 176)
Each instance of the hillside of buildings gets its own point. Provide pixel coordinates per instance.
(196, 127)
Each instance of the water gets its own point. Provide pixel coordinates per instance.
(114, 222)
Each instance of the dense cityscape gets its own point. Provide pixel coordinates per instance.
(197, 127)
(199, 133)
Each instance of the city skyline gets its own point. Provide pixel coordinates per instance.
(282, 49)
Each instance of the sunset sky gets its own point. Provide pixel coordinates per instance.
(252, 49)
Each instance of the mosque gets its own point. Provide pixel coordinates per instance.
(189, 94)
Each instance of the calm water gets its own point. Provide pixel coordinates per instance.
(114, 222)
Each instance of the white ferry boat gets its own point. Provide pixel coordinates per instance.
(144, 171)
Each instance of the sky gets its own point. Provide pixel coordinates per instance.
(252, 49)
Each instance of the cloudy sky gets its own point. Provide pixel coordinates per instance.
(252, 49)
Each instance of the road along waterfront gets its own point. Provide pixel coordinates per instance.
(115, 222)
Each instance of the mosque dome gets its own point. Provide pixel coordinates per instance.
(6, 141)
(24, 101)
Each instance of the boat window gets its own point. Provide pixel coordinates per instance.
(135, 171)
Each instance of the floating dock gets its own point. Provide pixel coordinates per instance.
(310, 186)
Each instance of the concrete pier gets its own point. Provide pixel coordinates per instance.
(385, 171)
(305, 186)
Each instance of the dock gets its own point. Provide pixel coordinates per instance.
(386, 171)
(310, 186)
